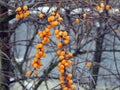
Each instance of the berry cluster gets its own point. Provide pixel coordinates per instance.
(65, 62)
(44, 35)
(22, 12)
(102, 6)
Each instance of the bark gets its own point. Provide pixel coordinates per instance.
(4, 61)
(97, 59)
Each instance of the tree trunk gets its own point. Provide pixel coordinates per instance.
(4, 51)
(97, 58)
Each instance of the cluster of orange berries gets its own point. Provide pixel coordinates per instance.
(65, 62)
(22, 12)
(54, 19)
(102, 7)
(40, 50)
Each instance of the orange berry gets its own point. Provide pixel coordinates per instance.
(54, 23)
(60, 19)
(70, 54)
(98, 8)
(40, 63)
(35, 59)
(66, 41)
(21, 15)
(61, 57)
(56, 31)
(49, 26)
(67, 37)
(66, 64)
(40, 53)
(35, 65)
(77, 20)
(65, 34)
(62, 78)
(102, 5)
(25, 15)
(69, 62)
(49, 33)
(89, 64)
(41, 15)
(28, 73)
(44, 55)
(61, 33)
(63, 62)
(25, 8)
(58, 36)
(69, 76)
(40, 45)
(17, 16)
(108, 7)
(116, 30)
(18, 9)
(36, 72)
(58, 52)
(51, 18)
(65, 88)
(62, 70)
(47, 30)
(70, 82)
(62, 53)
(61, 66)
(42, 49)
(73, 87)
(84, 15)
(59, 45)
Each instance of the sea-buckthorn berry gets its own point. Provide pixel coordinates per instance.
(66, 41)
(89, 64)
(108, 7)
(28, 73)
(25, 8)
(56, 32)
(60, 45)
(41, 15)
(36, 72)
(70, 82)
(61, 57)
(77, 20)
(69, 76)
(18, 9)
(102, 5)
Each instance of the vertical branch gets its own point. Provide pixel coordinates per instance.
(5, 63)
(97, 59)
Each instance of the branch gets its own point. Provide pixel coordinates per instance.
(52, 66)
(85, 51)
(2, 3)
(7, 18)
